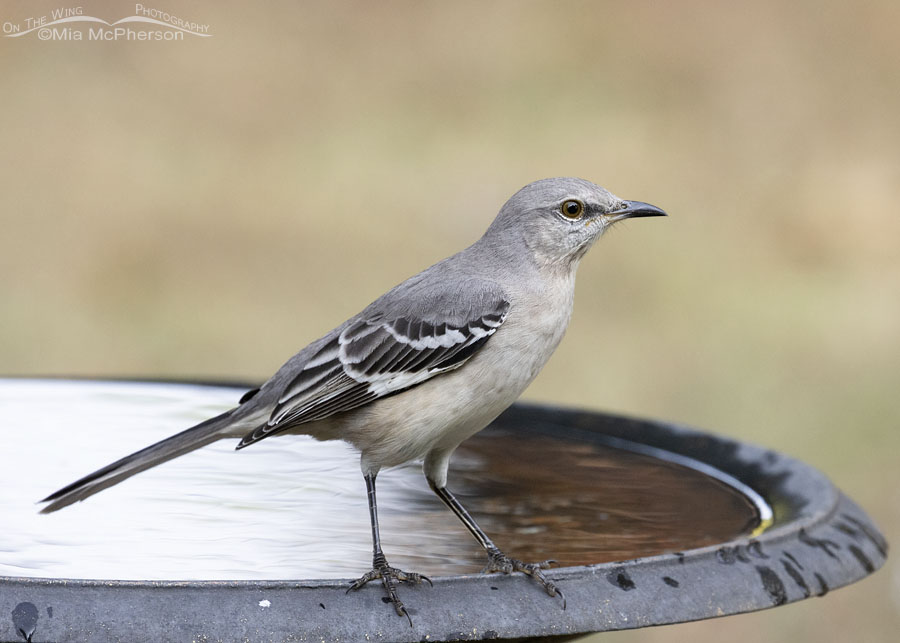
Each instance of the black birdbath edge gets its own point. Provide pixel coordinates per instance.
(819, 540)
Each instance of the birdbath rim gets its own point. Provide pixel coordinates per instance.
(818, 540)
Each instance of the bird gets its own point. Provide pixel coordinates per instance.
(426, 365)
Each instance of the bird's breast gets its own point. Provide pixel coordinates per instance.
(450, 407)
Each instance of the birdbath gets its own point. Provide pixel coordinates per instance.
(651, 523)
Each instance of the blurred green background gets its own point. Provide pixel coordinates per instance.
(205, 208)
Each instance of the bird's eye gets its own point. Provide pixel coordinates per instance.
(572, 209)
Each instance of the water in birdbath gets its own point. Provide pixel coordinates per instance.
(293, 508)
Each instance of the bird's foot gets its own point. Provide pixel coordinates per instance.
(389, 577)
(500, 562)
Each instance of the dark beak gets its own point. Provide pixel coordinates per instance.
(634, 209)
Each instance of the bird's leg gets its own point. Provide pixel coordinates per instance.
(380, 567)
(497, 560)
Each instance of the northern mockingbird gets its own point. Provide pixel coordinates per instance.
(426, 365)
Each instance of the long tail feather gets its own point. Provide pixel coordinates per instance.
(179, 444)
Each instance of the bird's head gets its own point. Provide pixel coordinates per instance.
(559, 219)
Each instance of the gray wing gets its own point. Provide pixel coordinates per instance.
(379, 354)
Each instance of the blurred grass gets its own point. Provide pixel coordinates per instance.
(205, 208)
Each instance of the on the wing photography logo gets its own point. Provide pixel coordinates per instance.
(73, 23)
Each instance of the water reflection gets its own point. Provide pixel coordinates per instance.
(291, 507)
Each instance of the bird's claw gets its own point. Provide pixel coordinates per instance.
(388, 576)
(500, 562)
